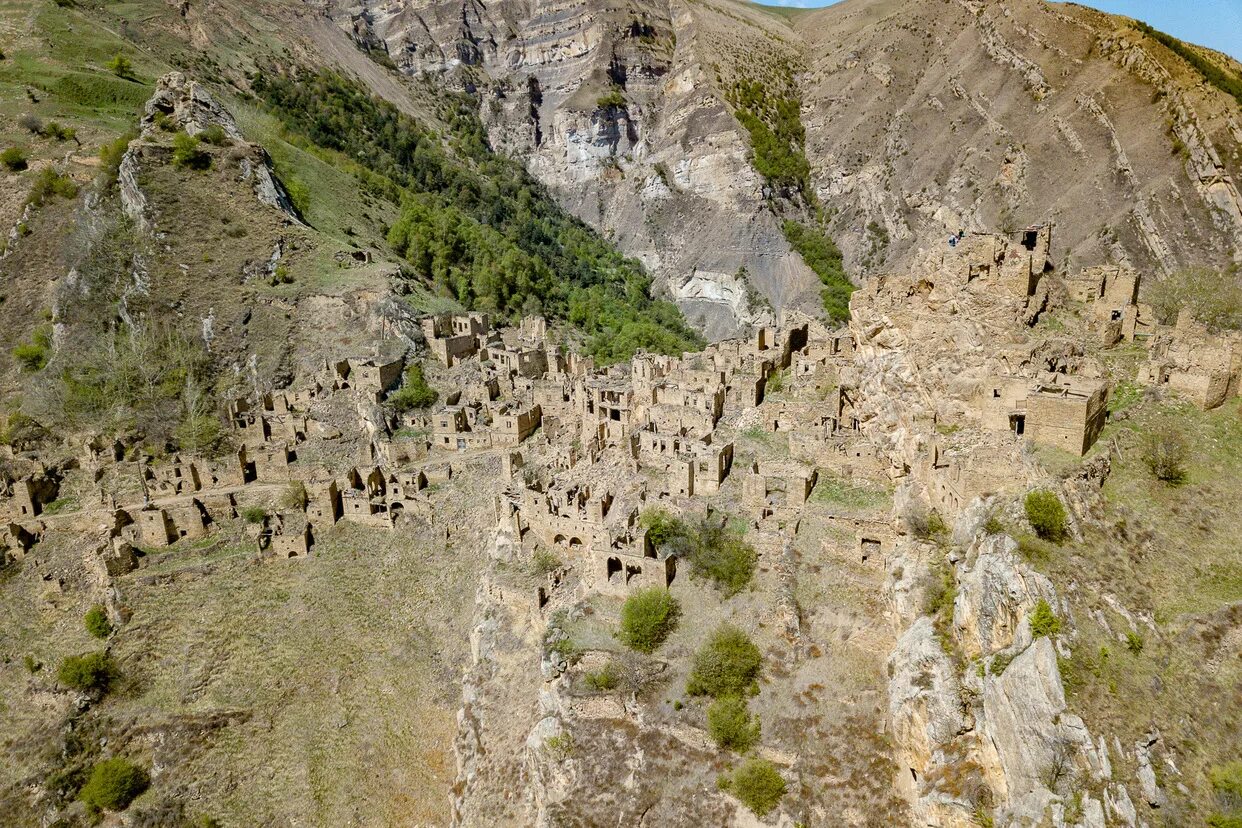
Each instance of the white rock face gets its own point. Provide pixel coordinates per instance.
(995, 597)
(924, 694)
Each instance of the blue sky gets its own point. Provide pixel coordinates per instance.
(1215, 23)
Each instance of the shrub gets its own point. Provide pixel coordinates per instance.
(648, 617)
(33, 355)
(1212, 297)
(97, 623)
(661, 527)
(1047, 515)
(50, 183)
(214, 135)
(544, 561)
(721, 555)
(925, 524)
(730, 724)
(111, 153)
(114, 783)
(757, 784)
(414, 392)
(59, 133)
(14, 158)
(614, 98)
(727, 665)
(1165, 451)
(31, 124)
(189, 153)
(1226, 781)
(1044, 621)
(993, 526)
(254, 514)
(1134, 642)
(605, 678)
(88, 673)
(121, 67)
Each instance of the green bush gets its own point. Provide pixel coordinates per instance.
(33, 355)
(113, 784)
(97, 623)
(88, 673)
(731, 725)
(661, 527)
(727, 665)
(1047, 515)
(188, 152)
(50, 183)
(1134, 642)
(648, 617)
(254, 514)
(111, 154)
(757, 784)
(14, 159)
(414, 392)
(1165, 452)
(614, 98)
(1212, 297)
(605, 678)
(1044, 621)
(59, 132)
(214, 135)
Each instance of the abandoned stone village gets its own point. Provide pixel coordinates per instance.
(585, 451)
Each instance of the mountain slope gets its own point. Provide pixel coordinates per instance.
(921, 119)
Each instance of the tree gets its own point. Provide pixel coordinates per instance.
(415, 392)
(1047, 515)
(727, 665)
(648, 617)
(731, 725)
(88, 673)
(1165, 451)
(757, 784)
(121, 67)
(97, 623)
(113, 784)
(1212, 297)
(1044, 621)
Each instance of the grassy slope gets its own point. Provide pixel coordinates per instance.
(1168, 554)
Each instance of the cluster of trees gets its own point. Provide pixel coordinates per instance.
(1214, 74)
(777, 136)
(474, 223)
(822, 255)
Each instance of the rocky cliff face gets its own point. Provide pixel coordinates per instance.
(922, 118)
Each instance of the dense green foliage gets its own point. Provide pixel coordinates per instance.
(731, 725)
(88, 673)
(1226, 82)
(114, 783)
(715, 551)
(1226, 782)
(757, 784)
(121, 67)
(727, 665)
(1046, 514)
(777, 136)
(97, 623)
(648, 617)
(414, 392)
(474, 223)
(1044, 621)
(823, 256)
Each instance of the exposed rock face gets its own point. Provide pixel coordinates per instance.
(1028, 110)
(662, 167)
(995, 596)
(1033, 110)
